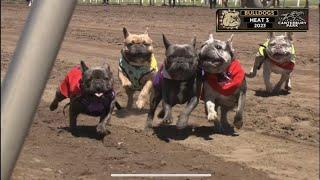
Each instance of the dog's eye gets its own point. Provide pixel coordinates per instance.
(218, 47)
(272, 44)
(129, 44)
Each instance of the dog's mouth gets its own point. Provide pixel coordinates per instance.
(213, 63)
(98, 94)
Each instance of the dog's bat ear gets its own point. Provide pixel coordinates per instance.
(289, 35)
(271, 35)
(230, 38)
(211, 37)
(230, 46)
(165, 41)
(106, 65)
(146, 31)
(83, 66)
(125, 32)
(194, 41)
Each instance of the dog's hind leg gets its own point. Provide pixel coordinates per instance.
(58, 98)
(266, 77)
(129, 93)
(284, 78)
(256, 66)
(72, 119)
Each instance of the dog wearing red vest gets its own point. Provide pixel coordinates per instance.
(224, 83)
(277, 55)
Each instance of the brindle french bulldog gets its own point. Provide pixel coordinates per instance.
(224, 83)
(175, 83)
(91, 92)
(137, 66)
(277, 55)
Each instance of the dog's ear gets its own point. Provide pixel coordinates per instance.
(165, 41)
(229, 45)
(146, 31)
(125, 32)
(271, 35)
(289, 35)
(194, 41)
(106, 66)
(83, 66)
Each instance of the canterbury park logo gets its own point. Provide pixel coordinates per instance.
(292, 19)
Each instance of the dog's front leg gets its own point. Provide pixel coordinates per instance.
(125, 82)
(257, 64)
(105, 119)
(209, 100)
(145, 92)
(184, 116)
(266, 77)
(155, 98)
(277, 87)
(239, 112)
(288, 86)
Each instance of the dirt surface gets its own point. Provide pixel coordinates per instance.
(279, 140)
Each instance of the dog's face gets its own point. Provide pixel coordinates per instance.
(280, 47)
(216, 55)
(137, 48)
(181, 59)
(96, 81)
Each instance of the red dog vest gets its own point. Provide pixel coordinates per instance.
(70, 86)
(228, 82)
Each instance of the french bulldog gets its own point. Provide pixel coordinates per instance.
(224, 83)
(91, 92)
(137, 67)
(277, 55)
(175, 83)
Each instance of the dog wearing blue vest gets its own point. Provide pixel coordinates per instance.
(137, 67)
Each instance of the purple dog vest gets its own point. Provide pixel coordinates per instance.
(97, 107)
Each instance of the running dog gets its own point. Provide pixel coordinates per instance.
(90, 91)
(224, 83)
(277, 55)
(137, 67)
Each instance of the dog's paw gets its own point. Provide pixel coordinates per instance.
(212, 116)
(140, 103)
(167, 120)
(53, 106)
(182, 122)
(238, 123)
(250, 75)
(127, 84)
(101, 129)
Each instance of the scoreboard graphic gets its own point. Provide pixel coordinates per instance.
(250, 20)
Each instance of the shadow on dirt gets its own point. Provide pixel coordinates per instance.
(85, 131)
(122, 113)
(263, 93)
(166, 133)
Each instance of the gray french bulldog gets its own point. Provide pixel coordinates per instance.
(277, 55)
(175, 83)
(91, 92)
(224, 83)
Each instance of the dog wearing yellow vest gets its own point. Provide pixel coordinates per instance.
(277, 55)
(137, 67)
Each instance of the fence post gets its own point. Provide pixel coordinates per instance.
(28, 73)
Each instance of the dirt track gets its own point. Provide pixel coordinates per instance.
(280, 137)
